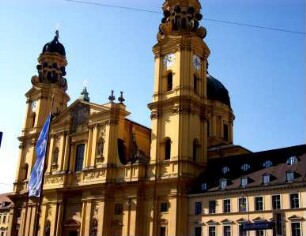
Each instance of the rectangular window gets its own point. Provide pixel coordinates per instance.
(118, 209)
(276, 204)
(212, 207)
(295, 229)
(164, 207)
(242, 204)
(294, 200)
(79, 158)
(258, 203)
(198, 208)
(226, 205)
(212, 231)
(259, 232)
(162, 231)
(227, 230)
(198, 231)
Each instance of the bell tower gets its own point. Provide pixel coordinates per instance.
(50, 84)
(178, 109)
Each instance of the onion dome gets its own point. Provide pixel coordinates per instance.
(217, 91)
(55, 46)
(52, 63)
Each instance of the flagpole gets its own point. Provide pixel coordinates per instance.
(39, 203)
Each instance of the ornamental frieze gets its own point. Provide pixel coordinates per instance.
(54, 179)
(94, 175)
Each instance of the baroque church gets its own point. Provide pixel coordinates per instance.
(107, 175)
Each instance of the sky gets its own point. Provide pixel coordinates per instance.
(110, 48)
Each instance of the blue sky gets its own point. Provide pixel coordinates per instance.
(264, 70)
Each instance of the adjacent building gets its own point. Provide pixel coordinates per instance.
(107, 175)
(5, 215)
(252, 194)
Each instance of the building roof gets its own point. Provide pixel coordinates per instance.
(5, 202)
(55, 46)
(252, 167)
(217, 91)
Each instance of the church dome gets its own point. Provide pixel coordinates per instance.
(217, 91)
(55, 46)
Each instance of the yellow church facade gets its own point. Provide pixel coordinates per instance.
(107, 175)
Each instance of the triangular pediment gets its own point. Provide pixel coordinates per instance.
(227, 221)
(77, 114)
(211, 222)
(295, 218)
(259, 219)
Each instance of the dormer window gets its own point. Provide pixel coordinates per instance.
(290, 176)
(292, 160)
(225, 169)
(244, 181)
(266, 179)
(204, 186)
(267, 164)
(245, 167)
(223, 183)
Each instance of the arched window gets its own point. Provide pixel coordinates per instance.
(79, 157)
(195, 84)
(225, 132)
(33, 119)
(195, 147)
(292, 160)
(225, 170)
(25, 169)
(267, 164)
(169, 81)
(167, 149)
(245, 167)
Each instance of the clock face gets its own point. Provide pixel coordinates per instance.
(33, 105)
(169, 60)
(196, 62)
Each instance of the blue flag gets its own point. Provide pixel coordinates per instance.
(35, 181)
